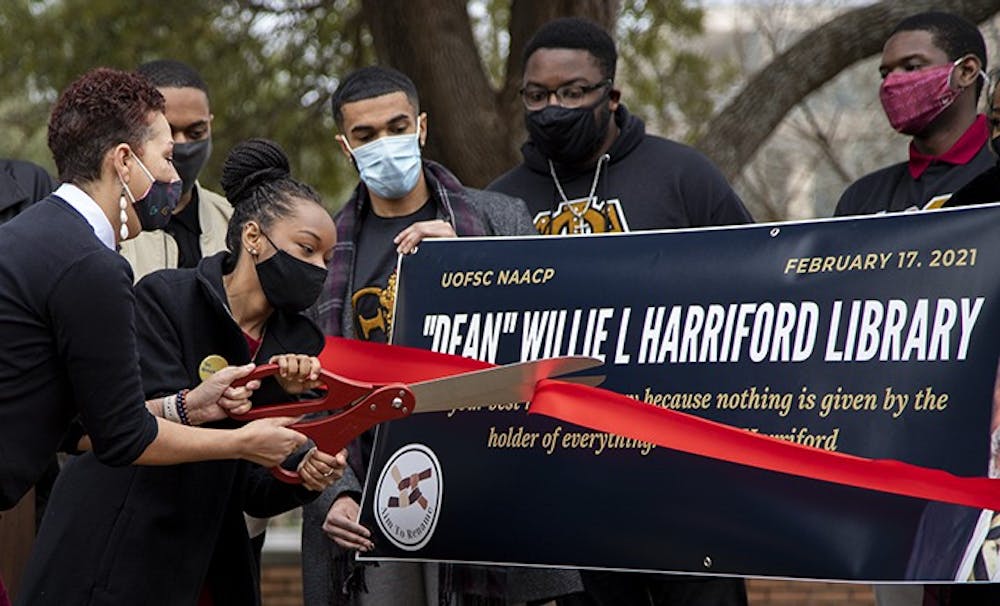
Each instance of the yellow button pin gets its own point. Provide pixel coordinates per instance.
(211, 365)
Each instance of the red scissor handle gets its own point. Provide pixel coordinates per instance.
(357, 407)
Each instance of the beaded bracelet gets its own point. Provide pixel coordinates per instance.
(181, 409)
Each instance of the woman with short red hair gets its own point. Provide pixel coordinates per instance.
(67, 309)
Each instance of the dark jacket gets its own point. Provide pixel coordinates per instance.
(21, 184)
(982, 190)
(155, 535)
(471, 212)
(648, 183)
(893, 189)
(69, 343)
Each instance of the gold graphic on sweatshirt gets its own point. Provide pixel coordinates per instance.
(582, 216)
(385, 302)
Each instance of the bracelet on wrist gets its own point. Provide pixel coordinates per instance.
(170, 412)
(181, 408)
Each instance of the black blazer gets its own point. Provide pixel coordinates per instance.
(69, 346)
(155, 535)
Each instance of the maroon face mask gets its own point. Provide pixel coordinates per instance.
(912, 100)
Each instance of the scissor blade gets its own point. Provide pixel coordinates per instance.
(502, 396)
(589, 381)
(500, 385)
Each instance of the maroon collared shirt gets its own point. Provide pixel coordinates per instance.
(962, 152)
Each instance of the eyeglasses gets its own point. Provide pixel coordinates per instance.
(569, 95)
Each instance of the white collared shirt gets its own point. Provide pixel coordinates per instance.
(92, 213)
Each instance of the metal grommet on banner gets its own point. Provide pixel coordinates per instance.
(708, 560)
(775, 231)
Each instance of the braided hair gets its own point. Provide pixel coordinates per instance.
(258, 183)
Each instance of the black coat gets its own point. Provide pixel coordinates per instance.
(67, 312)
(982, 190)
(155, 535)
(21, 185)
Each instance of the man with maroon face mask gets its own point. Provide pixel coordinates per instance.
(933, 72)
(932, 69)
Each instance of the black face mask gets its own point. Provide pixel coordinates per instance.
(289, 284)
(189, 159)
(569, 136)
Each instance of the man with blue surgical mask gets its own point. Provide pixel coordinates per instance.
(401, 199)
(198, 225)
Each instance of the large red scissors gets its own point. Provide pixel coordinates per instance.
(356, 406)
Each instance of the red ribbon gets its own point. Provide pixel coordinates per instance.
(606, 411)
(376, 363)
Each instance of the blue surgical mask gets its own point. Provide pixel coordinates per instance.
(390, 166)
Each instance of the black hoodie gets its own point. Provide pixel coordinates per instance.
(647, 183)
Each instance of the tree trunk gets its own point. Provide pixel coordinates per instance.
(474, 130)
(739, 129)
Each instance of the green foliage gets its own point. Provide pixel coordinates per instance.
(665, 80)
(272, 64)
(270, 69)
(490, 19)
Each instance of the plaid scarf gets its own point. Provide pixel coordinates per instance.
(453, 206)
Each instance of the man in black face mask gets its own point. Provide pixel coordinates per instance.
(589, 165)
(198, 226)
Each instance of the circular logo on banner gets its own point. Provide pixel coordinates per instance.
(408, 497)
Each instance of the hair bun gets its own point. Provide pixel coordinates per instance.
(251, 164)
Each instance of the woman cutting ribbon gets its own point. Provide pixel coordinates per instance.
(174, 535)
(67, 305)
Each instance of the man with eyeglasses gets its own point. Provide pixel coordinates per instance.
(590, 167)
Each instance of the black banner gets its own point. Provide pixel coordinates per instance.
(876, 337)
